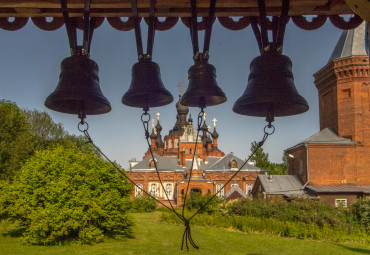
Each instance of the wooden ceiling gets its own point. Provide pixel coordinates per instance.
(169, 8)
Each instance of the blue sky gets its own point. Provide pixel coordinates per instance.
(30, 67)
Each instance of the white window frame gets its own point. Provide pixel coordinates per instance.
(248, 189)
(138, 191)
(222, 192)
(176, 145)
(341, 202)
(168, 190)
(169, 144)
(153, 189)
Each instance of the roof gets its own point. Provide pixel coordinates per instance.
(287, 185)
(234, 192)
(326, 136)
(163, 164)
(350, 43)
(214, 163)
(339, 189)
(224, 164)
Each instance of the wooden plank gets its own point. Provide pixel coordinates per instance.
(168, 8)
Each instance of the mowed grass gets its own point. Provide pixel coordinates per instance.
(154, 237)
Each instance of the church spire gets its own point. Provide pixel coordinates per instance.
(350, 43)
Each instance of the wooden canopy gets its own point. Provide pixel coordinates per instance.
(169, 8)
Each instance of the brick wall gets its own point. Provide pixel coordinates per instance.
(297, 164)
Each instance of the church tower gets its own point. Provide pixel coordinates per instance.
(343, 86)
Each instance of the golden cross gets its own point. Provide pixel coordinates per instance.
(184, 127)
(155, 131)
(209, 128)
(204, 116)
(152, 123)
(158, 115)
(214, 122)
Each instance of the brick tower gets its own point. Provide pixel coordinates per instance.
(334, 163)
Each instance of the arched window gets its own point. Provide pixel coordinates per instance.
(153, 189)
(169, 143)
(165, 144)
(138, 190)
(169, 190)
(233, 164)
(185, 150)
(190, 151)
(248, 189)
(176, 145)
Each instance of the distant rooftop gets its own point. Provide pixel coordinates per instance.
(350, 43)
(325, 136)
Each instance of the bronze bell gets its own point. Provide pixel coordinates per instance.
(146, 88)
(270, 89)
(78, 90)
(203, 89)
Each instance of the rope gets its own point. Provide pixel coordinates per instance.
(146, 129)
(87, 135)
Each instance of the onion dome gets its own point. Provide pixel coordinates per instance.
(209, 140)
(158, 127)
(215, 134)
(181, 109)
(204, 127)
(153, 135)
(190, 120)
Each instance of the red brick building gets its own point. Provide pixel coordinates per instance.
(334, 163)
(173, 156)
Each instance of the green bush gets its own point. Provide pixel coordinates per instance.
(307, 211)
(196, 200)
(360, 212)
(64, 194)
(143, 204)
(298, 218)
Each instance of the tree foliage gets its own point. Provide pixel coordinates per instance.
(65, 194)
(46, 133)
(16, 144)
(262, 161)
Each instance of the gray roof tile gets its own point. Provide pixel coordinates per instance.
(350, 43)
(163, 164)
(224, 164)
(339, 189)
(280, 184)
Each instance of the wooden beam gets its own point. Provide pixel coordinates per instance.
(168, 8)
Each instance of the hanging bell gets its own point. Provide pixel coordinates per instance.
(78, 90)
(271, 89)
(146, 88)
(203, 90)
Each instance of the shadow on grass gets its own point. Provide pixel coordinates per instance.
(15, 232)
(358, 250)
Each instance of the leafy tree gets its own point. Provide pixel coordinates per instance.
(46, 133)
(261, 158)
(65, 194)
(262, 161)
(15, 139)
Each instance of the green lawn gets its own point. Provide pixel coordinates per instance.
(154, 237)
